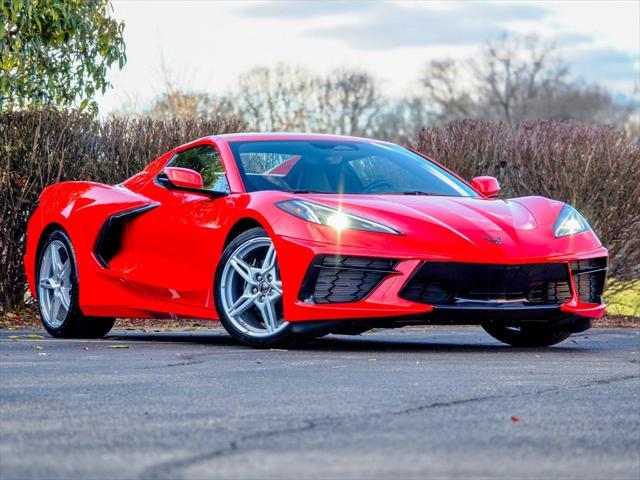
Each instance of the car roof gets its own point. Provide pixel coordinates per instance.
(265, 136)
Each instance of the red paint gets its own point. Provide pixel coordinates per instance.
(169, 254)
(183, 177)
(488, 186)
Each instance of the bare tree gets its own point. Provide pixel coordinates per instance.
(513, 73)
(280, 98)
(348, 102)
(446, 90)
(514, 79)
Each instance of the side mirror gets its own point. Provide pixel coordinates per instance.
(488, 186)
(182, 178)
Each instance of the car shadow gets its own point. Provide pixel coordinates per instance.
(361, 343)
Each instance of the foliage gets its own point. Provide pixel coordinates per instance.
(57, 52)
(39, 148)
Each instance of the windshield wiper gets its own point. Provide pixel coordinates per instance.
(305, 191)
(415, 192)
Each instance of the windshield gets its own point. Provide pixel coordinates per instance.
(324, 166)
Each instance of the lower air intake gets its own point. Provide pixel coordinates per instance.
(344, 279)
(451, 283)
(589, 278)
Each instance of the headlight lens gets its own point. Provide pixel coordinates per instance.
(569, 222)
(322, 215)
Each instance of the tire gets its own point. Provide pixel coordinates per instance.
(526, 337)
(248, 292)
(58, 291)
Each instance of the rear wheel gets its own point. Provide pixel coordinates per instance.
(526, 336)
(57, 285)
(248, 292)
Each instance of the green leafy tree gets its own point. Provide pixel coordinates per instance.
(57, 52)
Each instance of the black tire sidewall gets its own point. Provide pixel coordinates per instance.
(281, 338)
(75, 324)
(64, 330)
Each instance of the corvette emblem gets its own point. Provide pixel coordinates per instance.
(497, 240)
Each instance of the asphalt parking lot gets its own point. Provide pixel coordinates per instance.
(413, 403)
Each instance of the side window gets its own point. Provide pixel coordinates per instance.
(205, 160)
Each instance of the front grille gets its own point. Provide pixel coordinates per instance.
(449, 283)
(589, 278)
(343, 279)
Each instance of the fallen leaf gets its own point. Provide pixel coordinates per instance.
(515, 419)
(32, 336)
(37, 347)
(118, 346)
(14, 337)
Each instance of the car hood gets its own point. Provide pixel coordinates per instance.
(464, 226)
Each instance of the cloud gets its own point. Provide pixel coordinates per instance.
(608, 64)
(306, 9)
(382, 25)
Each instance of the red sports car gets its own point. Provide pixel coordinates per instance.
(289, 236)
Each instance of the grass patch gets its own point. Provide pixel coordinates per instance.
(623, 298)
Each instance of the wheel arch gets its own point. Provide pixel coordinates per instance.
(240, 226)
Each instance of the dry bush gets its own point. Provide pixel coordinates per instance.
(595, 168)
(38, 148)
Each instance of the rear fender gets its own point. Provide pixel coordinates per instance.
(81, 209)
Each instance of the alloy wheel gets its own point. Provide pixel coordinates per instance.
(251, 289)
(54, 284)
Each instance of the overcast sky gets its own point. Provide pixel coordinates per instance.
(207, 44)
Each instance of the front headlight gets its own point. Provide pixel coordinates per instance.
(322, 215)
(569, 222)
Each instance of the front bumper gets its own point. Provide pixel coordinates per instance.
(385, 306)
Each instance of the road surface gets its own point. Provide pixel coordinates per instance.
(413, 403)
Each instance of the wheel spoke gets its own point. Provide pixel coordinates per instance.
(268, 311)
(55, 259)
(55, 308)
(243, 269)
(241, 305)
(65, 296)
(269, 260)
(66, 269)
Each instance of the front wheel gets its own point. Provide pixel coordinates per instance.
(248, 292)
(526, 336)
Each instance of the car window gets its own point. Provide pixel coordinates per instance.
(205, 160)
(344, 167)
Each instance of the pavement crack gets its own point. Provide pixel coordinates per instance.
(169, 469)
(453, 403)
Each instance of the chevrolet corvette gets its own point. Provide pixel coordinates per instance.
(285, 237)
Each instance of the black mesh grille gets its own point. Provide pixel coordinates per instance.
(448, 283)
(338, 279)
(589, 278)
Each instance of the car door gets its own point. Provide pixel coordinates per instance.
(174, 248)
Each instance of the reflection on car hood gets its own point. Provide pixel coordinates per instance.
(460, 227)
